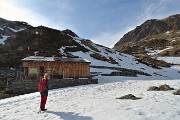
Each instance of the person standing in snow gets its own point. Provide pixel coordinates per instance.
(43, 89)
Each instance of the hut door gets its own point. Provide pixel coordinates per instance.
(41, 70)
(66, 73)
(26, 71)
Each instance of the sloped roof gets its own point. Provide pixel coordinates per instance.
(41, 58)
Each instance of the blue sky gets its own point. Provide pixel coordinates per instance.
(102, 21)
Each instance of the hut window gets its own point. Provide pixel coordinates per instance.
(33, 70)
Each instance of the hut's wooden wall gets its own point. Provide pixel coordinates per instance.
(57, 69)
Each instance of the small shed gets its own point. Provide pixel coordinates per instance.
(57, 67)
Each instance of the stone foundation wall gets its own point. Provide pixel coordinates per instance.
(31, 85)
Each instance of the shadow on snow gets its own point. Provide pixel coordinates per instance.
(70, 115)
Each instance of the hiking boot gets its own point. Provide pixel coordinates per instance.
(43, 109)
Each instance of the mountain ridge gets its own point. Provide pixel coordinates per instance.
(155, 31)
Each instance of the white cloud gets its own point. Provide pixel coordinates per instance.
(13, 11)
(109, 39)
(156, 9)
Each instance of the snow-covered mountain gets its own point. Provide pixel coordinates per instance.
(26, 40)
(109, 62)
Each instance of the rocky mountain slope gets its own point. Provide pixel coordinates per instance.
(153, 37)
(19, 40)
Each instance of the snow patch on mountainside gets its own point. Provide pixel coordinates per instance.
(173, 60)
(155, 52)
(3, 39)
(1, 28)
(14, 30)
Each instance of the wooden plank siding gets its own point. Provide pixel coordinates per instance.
(60, 69)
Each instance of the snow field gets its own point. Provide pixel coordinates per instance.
(98, 102)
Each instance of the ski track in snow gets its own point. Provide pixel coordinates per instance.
(98, 102)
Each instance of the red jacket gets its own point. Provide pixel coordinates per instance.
(42, 86)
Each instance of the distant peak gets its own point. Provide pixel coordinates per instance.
(69, 32)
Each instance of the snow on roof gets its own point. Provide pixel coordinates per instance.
(41, 58)
(87, 60)
(38, 58)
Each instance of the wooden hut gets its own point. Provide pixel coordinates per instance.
(57, 67)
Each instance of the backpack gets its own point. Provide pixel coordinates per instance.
(42, 85)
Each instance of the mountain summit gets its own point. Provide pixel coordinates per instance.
(153, 37)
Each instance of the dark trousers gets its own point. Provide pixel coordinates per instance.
(43, 102)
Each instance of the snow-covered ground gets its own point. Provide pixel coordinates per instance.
(98, 102)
